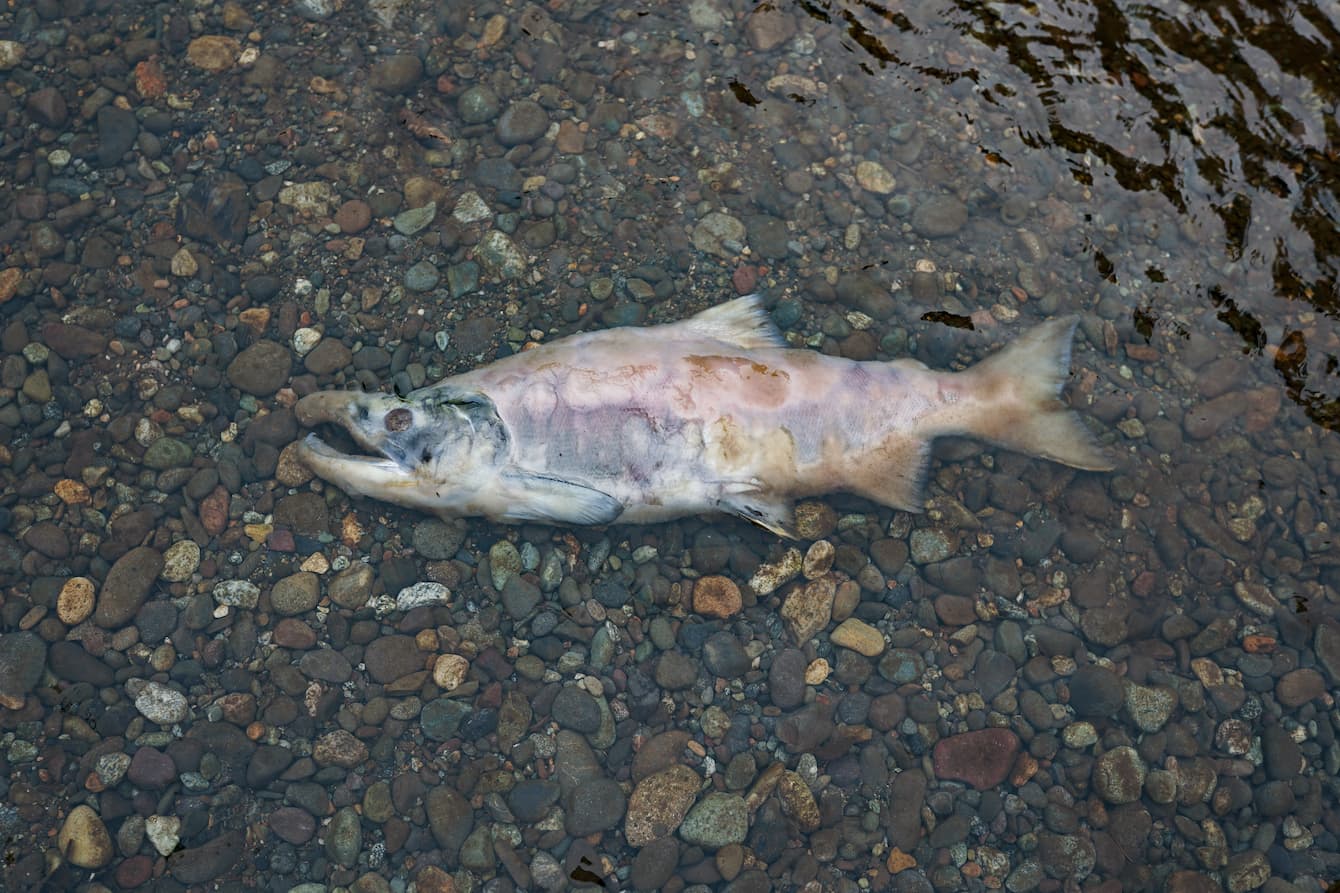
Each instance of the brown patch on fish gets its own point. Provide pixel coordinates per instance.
(768, 386)
(772, 456)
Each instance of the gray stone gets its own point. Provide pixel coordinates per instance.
(23, 657)
(716, 820)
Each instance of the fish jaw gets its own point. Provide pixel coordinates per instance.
(373, 476)
(363, 415)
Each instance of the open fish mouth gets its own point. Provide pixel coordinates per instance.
(315, 446)
(344, 421)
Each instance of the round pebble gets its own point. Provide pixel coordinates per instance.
(524, 121)
(75, 603)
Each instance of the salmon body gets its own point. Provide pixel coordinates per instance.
(710, 414)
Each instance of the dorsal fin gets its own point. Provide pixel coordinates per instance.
(742, 322)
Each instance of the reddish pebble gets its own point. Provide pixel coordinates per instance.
(214, 512)
(490, 698)
(280, 541)
(1144, 584)
(1296, 687)
(293, 633)
(134, 871)
(292, 824)
(353, 216)
(744, 279)
(982, 758)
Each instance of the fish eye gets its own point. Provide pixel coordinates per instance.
(399, 420)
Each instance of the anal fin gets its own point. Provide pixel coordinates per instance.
(894, 475)
(549, 500)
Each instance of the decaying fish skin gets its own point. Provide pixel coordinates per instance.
(709, 414)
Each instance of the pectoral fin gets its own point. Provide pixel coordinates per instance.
(548, 500)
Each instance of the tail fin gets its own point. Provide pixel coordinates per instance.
(1022, 387)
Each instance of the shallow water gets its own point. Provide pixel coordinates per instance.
(1049, 679)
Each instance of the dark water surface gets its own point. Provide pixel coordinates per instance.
(219, 674)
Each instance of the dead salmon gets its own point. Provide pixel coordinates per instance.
(713, 413)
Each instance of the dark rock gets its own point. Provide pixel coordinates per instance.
(73, 342)
(576, 710)
(127, 586)
(939, 216)
(598, 805)
(47, 538)
(451, 819)
(786, 679)
(261, 369)
(70, 662)
(725, 656)
(202, 864)
(390, 657)
(1096, 691)
(151, 769)
(23, 657)
(117, 129)
(47, 107)
(524, 121)
(217, 209)
(396, 74)
(270, 760)
(291, 824)
(327, 357)
(531, 798)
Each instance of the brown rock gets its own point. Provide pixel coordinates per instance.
(353, 216)
(1296, 687)
(127, 586)
(659, 803)
(809, 608)
(261, 369)
(48, 539)
(955, 610)
(329, 356)
(432, 879)
(83, 839)
(73, 342)
(982, 758)
(293, 633)
(768, 26)
(391, 657)
(659, 753)
(10, 277)
(213, 52)
(339, 748)
(798, 801)
(716, 596)
(76, 600)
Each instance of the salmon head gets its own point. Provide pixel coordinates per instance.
(441, 449)
(433, 450)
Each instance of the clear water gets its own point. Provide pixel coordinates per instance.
(922, 178)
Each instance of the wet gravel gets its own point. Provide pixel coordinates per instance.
(217, 673)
